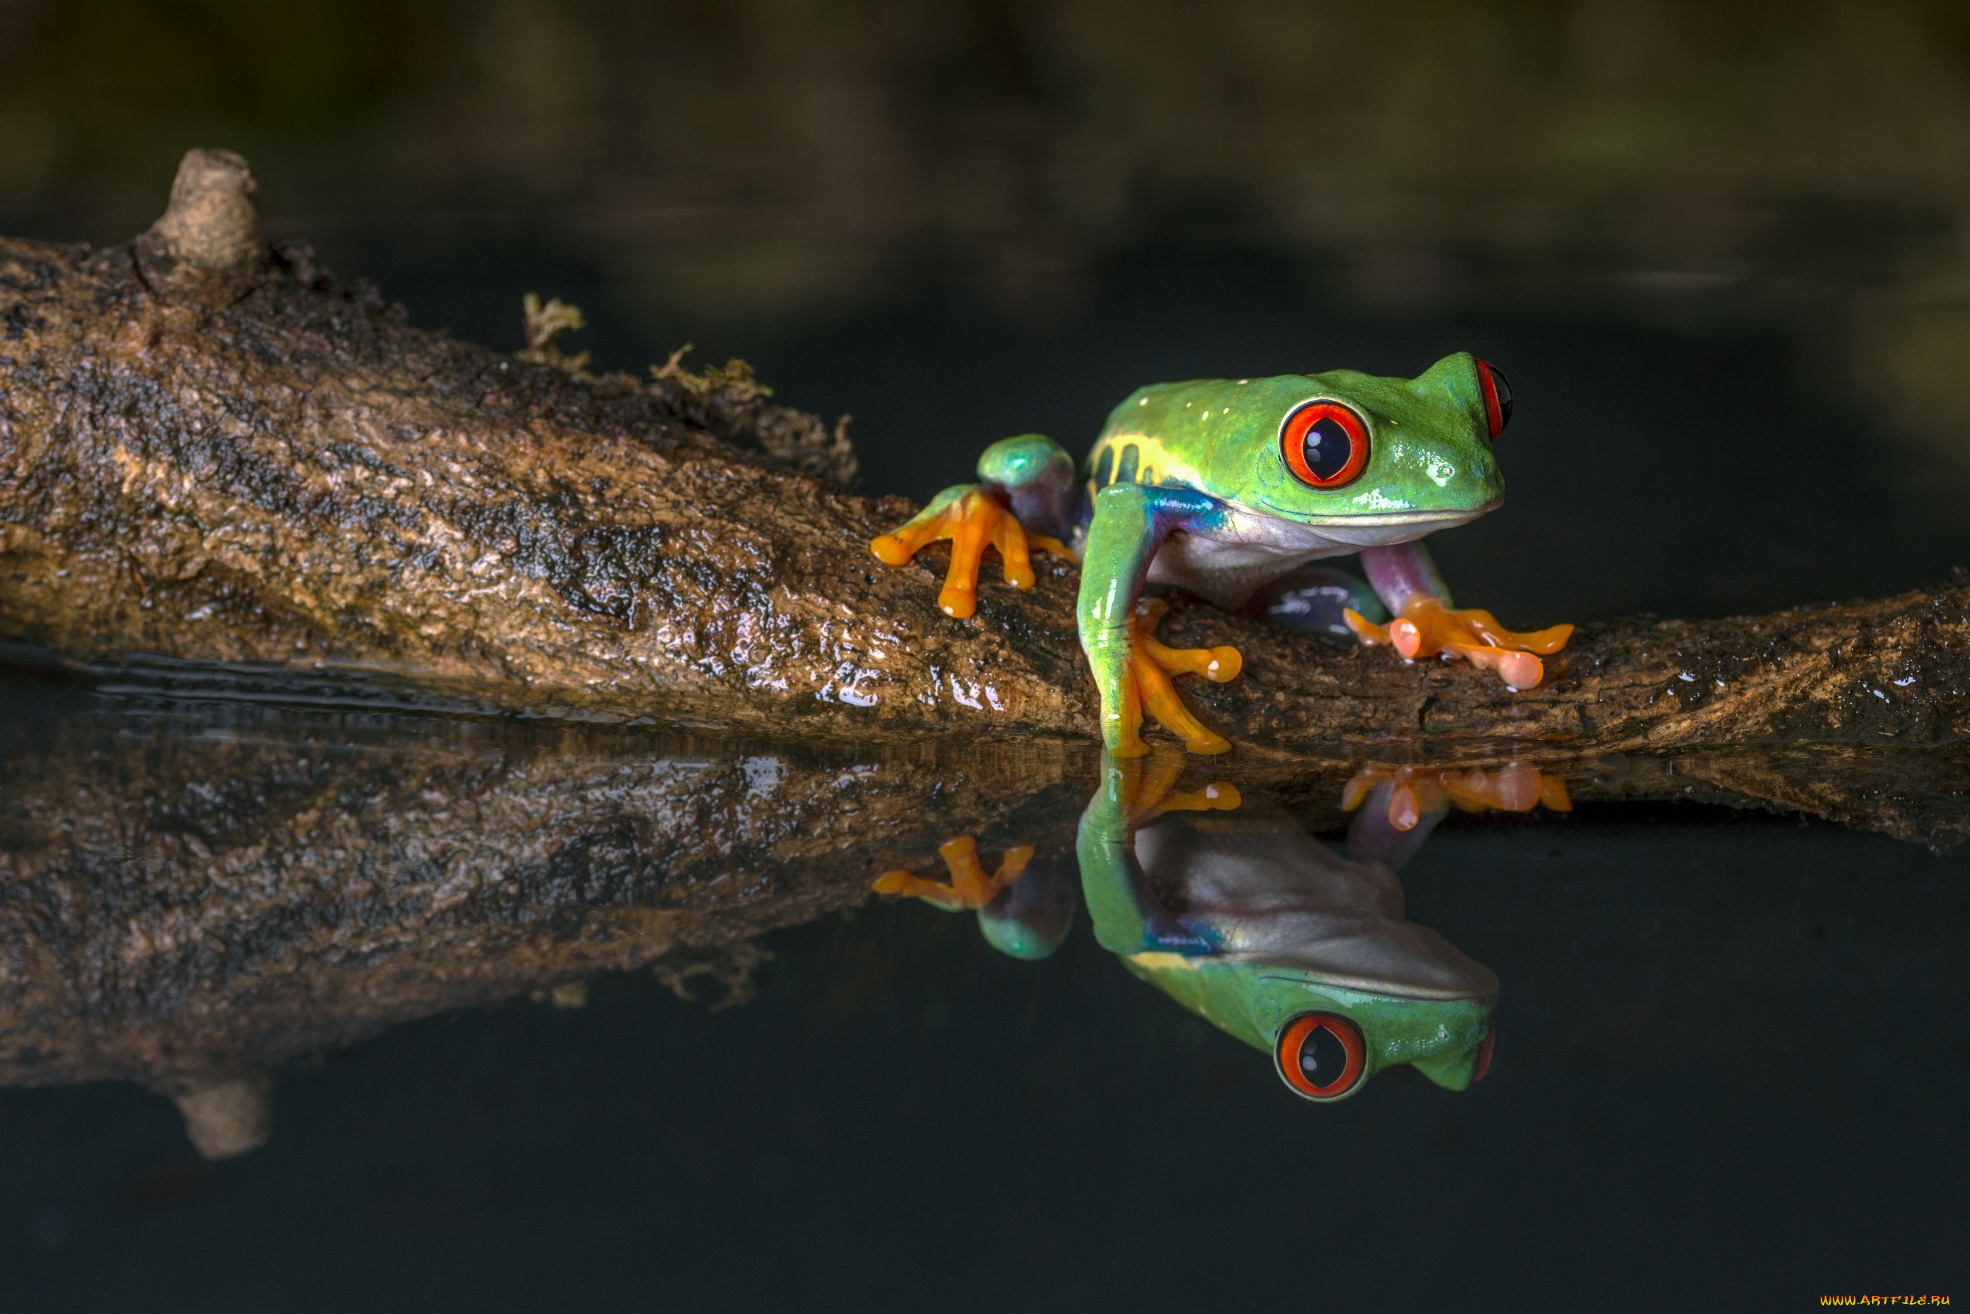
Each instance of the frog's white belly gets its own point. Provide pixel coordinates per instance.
(1267, 890)
(1227, 562)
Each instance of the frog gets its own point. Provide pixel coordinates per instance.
(1222, 487)
(1277, 939)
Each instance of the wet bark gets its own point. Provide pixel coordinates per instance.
(213, 451)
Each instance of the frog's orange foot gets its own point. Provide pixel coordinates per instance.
(970, 887)
(1147, 686)
(1426, 628)
(973, 520)
(1149, 790)
(1419, 791)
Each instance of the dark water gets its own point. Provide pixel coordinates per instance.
(1730, 1064)
(1730, 1073)
(1733, 1062)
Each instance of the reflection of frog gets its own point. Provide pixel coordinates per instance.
(1221, 486)
(1413, 794)
(1273, 937)
(1276, 938)
(1024, 915)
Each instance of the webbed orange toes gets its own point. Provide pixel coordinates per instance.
(972, 520)
(1418, 791)
(893, 549)
(970, 887)
(1151, 664)
(1426, 628)
(1149, 790)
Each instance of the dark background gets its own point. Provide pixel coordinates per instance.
(1721, 251)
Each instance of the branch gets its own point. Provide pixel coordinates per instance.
(213, 451)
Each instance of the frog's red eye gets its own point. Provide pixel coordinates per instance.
(1483, 1064)
(1497, 397)
(1325, 444)
(1321, 1055)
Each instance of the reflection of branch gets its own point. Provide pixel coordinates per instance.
(253, 883)
(248, 465)
(733, 966)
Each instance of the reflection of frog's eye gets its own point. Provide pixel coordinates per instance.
(1497, 397)
(1325, 444)
(1321, 1055)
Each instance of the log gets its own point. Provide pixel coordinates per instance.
(212, 450)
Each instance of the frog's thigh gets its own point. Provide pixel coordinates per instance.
(1427, 623)
(1038, 477)
(1401, 573)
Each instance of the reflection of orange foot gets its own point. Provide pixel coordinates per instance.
(1147, 790)
(1147, 686)
(1420, 791)
(970, 887)
(1426, 627)
(973, 520)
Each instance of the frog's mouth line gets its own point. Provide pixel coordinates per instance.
(1390, 519)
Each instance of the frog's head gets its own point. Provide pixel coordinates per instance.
(1345, 446)
(1327, 1039)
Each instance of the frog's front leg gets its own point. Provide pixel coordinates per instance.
(1426, 622)
(1131, 668)
(1024, 500)
(1128, 918)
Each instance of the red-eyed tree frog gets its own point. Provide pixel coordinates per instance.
(1221, 486)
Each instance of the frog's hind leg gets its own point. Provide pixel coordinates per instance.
(1426, 623)
(1027, 485)
(1037, 476)
(1314, 600)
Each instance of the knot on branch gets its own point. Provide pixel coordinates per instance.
(213, 221)
(226, 1114)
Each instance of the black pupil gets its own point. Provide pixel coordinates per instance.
(1323, 1058)
(1328, 447)
(1504, 392)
